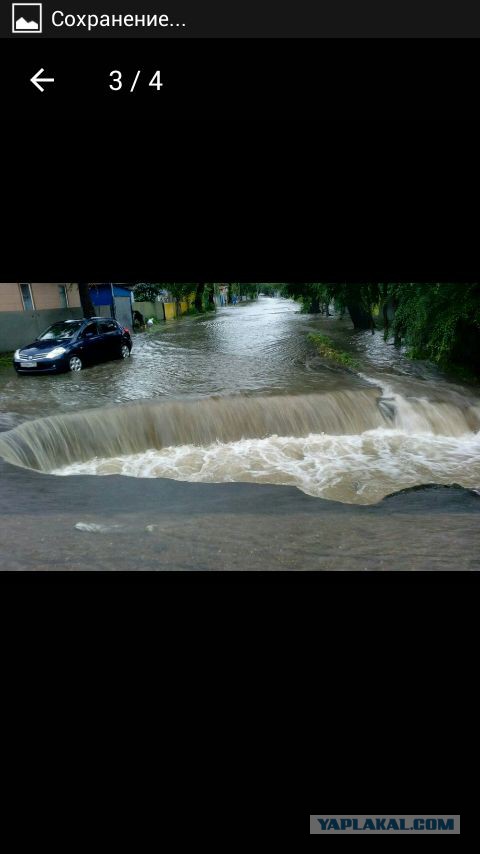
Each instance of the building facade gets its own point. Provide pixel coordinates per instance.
(27, 308)
(38, 296)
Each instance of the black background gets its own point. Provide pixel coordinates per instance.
(234, 79)
(275, 691)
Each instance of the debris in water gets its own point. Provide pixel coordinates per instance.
(151, 528)
(96, 529)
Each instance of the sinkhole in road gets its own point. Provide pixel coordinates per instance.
(350, 445)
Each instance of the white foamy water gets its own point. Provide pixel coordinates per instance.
(352, 445)
(354, 469)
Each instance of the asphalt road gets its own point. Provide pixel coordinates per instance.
(121, 523)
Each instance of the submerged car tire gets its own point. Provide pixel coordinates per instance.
(75, 364)
(125, 352)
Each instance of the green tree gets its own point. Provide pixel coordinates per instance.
(269, 289)
(438, 321)
(180, 291)
(147, 291)
(209, 294)
(200, 287)
(357, 298)
(308, 293)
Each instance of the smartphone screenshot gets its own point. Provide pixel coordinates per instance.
(283, 396)
(212, 61)
(239, 373)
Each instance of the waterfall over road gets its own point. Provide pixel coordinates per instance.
(241, 448)
(354, 446)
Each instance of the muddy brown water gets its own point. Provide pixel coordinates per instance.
(268, 440)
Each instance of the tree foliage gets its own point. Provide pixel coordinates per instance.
(148, 291)
(358, 299)
(440, 322)
(269, 289)
(436, 321)
(203, 291)
(244, 289)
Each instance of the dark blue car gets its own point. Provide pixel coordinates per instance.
(73, 344)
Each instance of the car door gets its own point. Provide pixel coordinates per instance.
(91, 344)
(111, 336)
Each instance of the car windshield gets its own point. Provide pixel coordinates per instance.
(60, 331)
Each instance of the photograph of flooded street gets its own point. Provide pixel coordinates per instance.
(240, 426)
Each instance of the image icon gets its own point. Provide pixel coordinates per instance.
(26, 17)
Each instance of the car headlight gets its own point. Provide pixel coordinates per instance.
(16, 354)
(57, 351)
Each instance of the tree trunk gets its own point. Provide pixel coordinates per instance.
(85, 299)
(389, 308)
(199, 296)
(361, 317)
(386, 319)
(314, 306)
(211, 301)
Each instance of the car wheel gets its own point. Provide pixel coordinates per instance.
(75, 364)
(125, 352)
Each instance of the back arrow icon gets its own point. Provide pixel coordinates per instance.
(36, 79)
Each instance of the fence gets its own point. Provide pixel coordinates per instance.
(18, 328)
(161, 310)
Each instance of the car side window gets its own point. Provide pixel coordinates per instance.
(106, 326)
(89, 330)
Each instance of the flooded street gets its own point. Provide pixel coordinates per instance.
(240, 395)
(255, 347)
